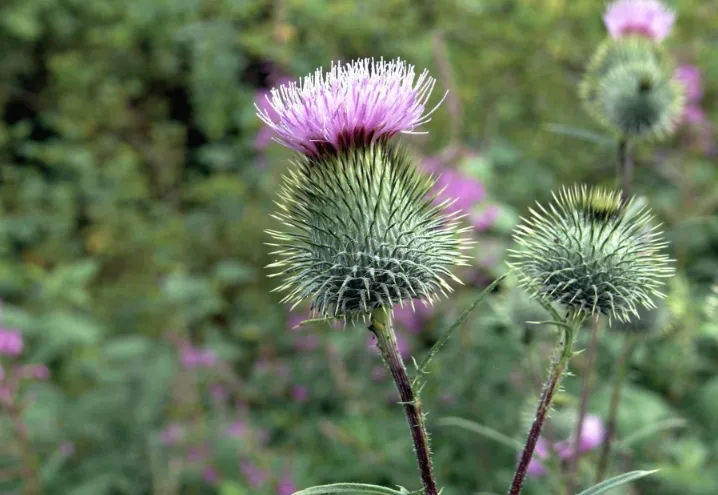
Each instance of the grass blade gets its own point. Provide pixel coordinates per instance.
(482, 430)
(619, 480)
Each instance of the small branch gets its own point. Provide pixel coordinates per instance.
(386, 340)
(587, 386)
(557, 371)
(621, 368)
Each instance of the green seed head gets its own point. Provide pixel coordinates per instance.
(592, 253)
(361, 231)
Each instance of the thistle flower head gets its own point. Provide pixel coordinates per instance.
(363, 232)
(646, 18)
(351, 105)
(629, 87)
(592, 252)
(691, 78)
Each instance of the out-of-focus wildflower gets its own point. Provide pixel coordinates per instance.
(194, 357)
(300, 393)
(648, 18)
(413, 319)
(286, 485)
(172, 434)
(210, 475)
(11, 343)
(254, 476)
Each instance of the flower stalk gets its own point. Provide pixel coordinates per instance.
(621, 369)
(558, 369)
(381, 326)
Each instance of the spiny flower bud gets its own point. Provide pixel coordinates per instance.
(592, 252)
(629, 88)
(363, 232)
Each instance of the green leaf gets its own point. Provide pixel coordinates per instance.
(649, 430)
(482, 430)
(349, 488)
(421, 368)
(619, 480)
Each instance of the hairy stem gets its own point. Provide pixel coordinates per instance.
(386, 340)
(621, 367)
(558, 368)
(625, 167)
(586, 388)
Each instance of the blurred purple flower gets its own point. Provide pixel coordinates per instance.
(286, 485)
(694, 115)
(412, 319)
(210, 475)
(35, 372)
(535, 468)
(11, 342)
(300, 393)
(197, 453)
(485, 219)
(465, 191)
(351, 105)
(378, 373)
(172, 434)
(691, 78)
(218, 392)
(254, 476)
(67, 449)
(238, 429)
(592, 434)
(194, 357)
(649, 18)
(294, 319)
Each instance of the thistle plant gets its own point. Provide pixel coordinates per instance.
(361, 231)
(590, 253)
(629, 86)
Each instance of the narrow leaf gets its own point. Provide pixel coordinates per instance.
(619, 480)
(482, 430)
(582, 134)
(649, 430)
(349, 488)
(447, 335)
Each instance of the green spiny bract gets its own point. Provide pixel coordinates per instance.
(364, 232)
(608, 263)
(629, 88)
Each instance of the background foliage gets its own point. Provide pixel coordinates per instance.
(135, 185)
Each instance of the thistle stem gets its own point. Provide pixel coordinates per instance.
(381, 325)
(558, 369)
(625, 167)
(621, 368)
(586, 388)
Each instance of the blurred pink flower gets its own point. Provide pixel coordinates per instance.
(691, 78)
(353, 104)
(254, 476)
(286, 485)
(401, 342)
(67, 448)
(35, 372)
(218, 392)
(300, 393)
(592, 434)
(649, 18)
(693, 115)
(172, 434)
(535, 468)
(210, 475)
(238, 429)
(194, 357)
(412, 319)
(465, 191)
(11, 342)
(486, 218)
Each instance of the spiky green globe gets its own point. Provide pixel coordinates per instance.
(591, 252)
(362, 231)
(629, 88)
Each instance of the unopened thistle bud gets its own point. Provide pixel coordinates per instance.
(629, 87)
(591, 252)
(362, 230)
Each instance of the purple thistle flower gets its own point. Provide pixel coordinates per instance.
(172, 434)
(693, 115)
(691, 79)
(193, 357)
(464, 191)
(592, 434)
(254, 475)
(286, 485)
(485, 219)
(649, 18)
(210, 475)
(300, 393)
(238, 429)
(11, 343)
(351, 105)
